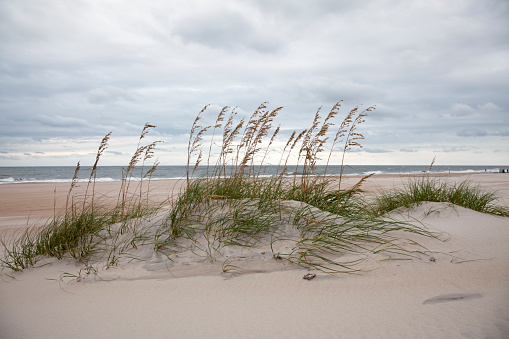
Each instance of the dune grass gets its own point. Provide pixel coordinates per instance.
(235, 205)
(76, 231)
(307, 219)
(418, 190)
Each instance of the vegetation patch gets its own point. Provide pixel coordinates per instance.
(304, 218)
(416, 191)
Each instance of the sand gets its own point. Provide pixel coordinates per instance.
(462, 292)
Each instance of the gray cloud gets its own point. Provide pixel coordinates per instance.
(438, 72)
(109, 94)
(456, 149)
(224, 28)
(60, 121)
(461, 110)
(472, 133)
(375, 150)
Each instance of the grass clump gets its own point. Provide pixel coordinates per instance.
(81, 229)
(74, 235)
(416, 191)
(306, 218)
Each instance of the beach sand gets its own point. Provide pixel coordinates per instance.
(460, 289)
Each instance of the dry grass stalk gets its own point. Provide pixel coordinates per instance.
(358, 185)
(142, 152)
(217, 125)
(194, 144)
(149, 154)
(347, 130)
(74, 181)
(306, 147)
(93, 175)
(229, 135)
(334, 111)
(431, 165)
(267, 149)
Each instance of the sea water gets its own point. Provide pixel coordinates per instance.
(117, 173)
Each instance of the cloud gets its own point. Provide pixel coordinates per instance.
(116, 152)
(489, 107)
(376, 150)
(60, 121)
(109, 94)
(454, 149)
(461, 110)
(437, 71)
(474, 132)
(224, 28)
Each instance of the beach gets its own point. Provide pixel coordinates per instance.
(458, 289)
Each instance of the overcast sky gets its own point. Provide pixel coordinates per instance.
(71, 71)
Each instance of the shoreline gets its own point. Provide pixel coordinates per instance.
(63, 174)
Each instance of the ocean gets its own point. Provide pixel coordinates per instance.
(10, 175)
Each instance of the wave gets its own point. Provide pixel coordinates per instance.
(57, 175)
(12, 180)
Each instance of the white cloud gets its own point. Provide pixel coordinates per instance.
(489, 107)
(461, 110)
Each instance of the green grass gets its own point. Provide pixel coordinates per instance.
(416, 191)
(75, 236)
(308, 220)
(83, 228)
(235, 206)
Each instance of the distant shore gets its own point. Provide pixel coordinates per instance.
(64, 174)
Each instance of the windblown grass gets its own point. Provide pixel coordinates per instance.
(416, 191)
(76, 231)
(74, 235)
(235, 205)
(305, 218)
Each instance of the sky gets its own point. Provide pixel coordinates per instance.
(72, 71)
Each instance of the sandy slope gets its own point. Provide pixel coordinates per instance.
(464, 292)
